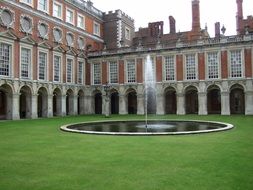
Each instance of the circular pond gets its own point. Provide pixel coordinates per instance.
(153, 127)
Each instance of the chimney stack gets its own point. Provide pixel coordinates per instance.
(172, 25)
(195, 16)
(239, 17)
(217, 30)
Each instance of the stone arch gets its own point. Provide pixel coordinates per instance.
(25, 102)
(191, 100)
(57, 102)
(6, 93)
(213, 99)
(237, 99)
(80, 102)
(170, 97)
(131, 101)
(114, 99)
(70, 102)
(97, 102)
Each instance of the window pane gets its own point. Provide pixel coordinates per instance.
(57, 68)
(131, 72)
(169, 68)
(5, 59)
(113, 72)
(69, 70)
(42, 65)
(80, 72)
(96, 73)
(236, 63)
(213, 65)
(191, 67)
(25, 62)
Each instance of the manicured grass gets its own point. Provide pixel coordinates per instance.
(36, 155)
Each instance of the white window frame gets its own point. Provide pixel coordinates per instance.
(27, 3)
(46, 66)
(207, 64)
(164, 68)
(72, 69)
(47, 6)
(97, 33)
(126, 70)
(66, 18)
(83, 17)
(11, 43)
(109, 71)
(60, 69)
(30, 67)
(58, 4)
(153, 59)
(127, 34)
(242, 63)
(93, 78)
(79, 60)
(196, 66)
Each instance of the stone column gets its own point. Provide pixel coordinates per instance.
(180, 104)
(140, 104)
(249, 103)
(122, 104)
(50, 106)
(75, 105)
(225, 103)
(202, 97)
(106, 103)
(160, 104)
(63, 106)
(89, 105)
(15, 106)
(34, 106)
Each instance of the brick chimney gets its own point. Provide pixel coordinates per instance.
(195, 16)
(172, 25)
(239, 17)
(217, 30)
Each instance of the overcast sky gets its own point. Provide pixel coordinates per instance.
(211, 11)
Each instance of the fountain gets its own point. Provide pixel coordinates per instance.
(147, 127)
(149, 83)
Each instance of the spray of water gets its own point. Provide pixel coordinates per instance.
(149, 81)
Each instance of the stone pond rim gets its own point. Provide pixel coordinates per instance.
(211, 126)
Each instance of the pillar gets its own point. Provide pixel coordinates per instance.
(140, 104)
(180, 104)
(34, 106)
(202, 97)
(50, 106)
(63, 106)
(15, 106)
(89, 105)
(225, 103)
(249, 103)
(74, 105)
(122, 104)
(105, 106)
(159, 104)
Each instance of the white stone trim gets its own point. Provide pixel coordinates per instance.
(11, 25)
(84, 69)
(84, 22)
(22, 17)
(39, 34)
(59, 4)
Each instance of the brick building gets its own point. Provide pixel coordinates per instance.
(57, 56)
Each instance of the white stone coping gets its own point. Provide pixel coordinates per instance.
(228, 127)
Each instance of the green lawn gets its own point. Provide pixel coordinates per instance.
(36, 155)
